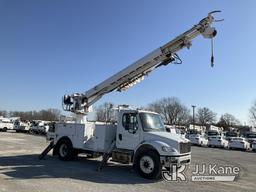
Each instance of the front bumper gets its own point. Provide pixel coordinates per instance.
(216, 144)
(178, 160)
(237, 146)
(195, 142)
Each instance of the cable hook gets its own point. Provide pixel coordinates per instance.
(212, 55)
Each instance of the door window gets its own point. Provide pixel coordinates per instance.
(129, 121)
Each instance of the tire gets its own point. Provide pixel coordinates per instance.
(148, 165)
(4, 129)
(65, 150)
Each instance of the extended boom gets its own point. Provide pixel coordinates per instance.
(79, 103)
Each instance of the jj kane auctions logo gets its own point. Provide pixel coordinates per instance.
(211, 172)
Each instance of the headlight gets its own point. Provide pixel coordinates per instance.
(168, 149)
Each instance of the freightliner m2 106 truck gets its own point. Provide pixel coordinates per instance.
(137, 137)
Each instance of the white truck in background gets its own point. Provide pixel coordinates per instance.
(196, 135)
(138, 137)
(6, 124)
(215, 131)
(21, 126)
(39, 127)
(196, 129)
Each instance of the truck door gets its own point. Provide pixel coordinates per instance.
(128, 136)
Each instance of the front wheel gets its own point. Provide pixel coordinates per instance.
(65, 150)
(148, 164)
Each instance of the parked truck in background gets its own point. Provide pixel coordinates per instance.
(6, 124)
(251, 138)
(39, 127)
(21, 126)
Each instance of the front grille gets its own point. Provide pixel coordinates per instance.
(185, 147)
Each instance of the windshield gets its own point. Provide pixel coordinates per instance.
(251, 135)
(211, 133)
(237, 139)
(151, 122)
(231, 134)
(194, 131)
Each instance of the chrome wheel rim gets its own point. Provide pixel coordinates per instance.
(63, 150)
(147, 164)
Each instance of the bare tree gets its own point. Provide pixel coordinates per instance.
(47, 115)
(172, 110)
(104, 112)
(227, 120)
(3, 113)
(205, 116)
(252, 113)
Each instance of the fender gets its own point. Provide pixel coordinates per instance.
(153, 145)
(56, 141)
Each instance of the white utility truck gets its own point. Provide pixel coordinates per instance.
(21, 126)
(6, 124)
(138, 137)
(39, 127)
(251, 137)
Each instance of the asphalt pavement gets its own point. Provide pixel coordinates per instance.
(21, 170)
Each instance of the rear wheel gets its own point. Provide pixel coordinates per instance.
(148, 164)
(4, 129)
(65, 150)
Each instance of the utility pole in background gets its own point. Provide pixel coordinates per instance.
(193, 106)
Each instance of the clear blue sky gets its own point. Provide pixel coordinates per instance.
(52, 47)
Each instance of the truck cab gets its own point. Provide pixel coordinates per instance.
(139, 138)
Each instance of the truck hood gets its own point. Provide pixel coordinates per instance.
(169, 138)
